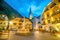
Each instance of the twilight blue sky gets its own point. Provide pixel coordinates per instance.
(23, 6)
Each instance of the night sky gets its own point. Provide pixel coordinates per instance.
(23, 6)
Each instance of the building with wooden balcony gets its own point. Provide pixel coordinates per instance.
(17, 23)
(51, 14)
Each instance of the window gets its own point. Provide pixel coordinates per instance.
(53, 4)
(44, 23)
(21, 20)
(4, 23)
(38, 22)
(54, 13)
(48, 21)
(40, 26)
(55, 18)
(14, 23)
(46, 9)
(42, 18)
(20, 24)
(47, 15)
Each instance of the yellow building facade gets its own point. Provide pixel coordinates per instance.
(51, 13)
(17, 23)
(3, 21)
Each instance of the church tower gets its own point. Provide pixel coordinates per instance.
(30, 14)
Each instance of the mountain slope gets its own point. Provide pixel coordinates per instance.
(8, 10)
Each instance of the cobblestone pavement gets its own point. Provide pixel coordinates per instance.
(35, 36)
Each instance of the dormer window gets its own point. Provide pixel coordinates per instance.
(46, 9)
(53, 4)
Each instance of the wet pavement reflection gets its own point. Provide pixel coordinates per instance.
(36, 36)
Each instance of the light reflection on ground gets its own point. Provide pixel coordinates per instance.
(36, 36)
